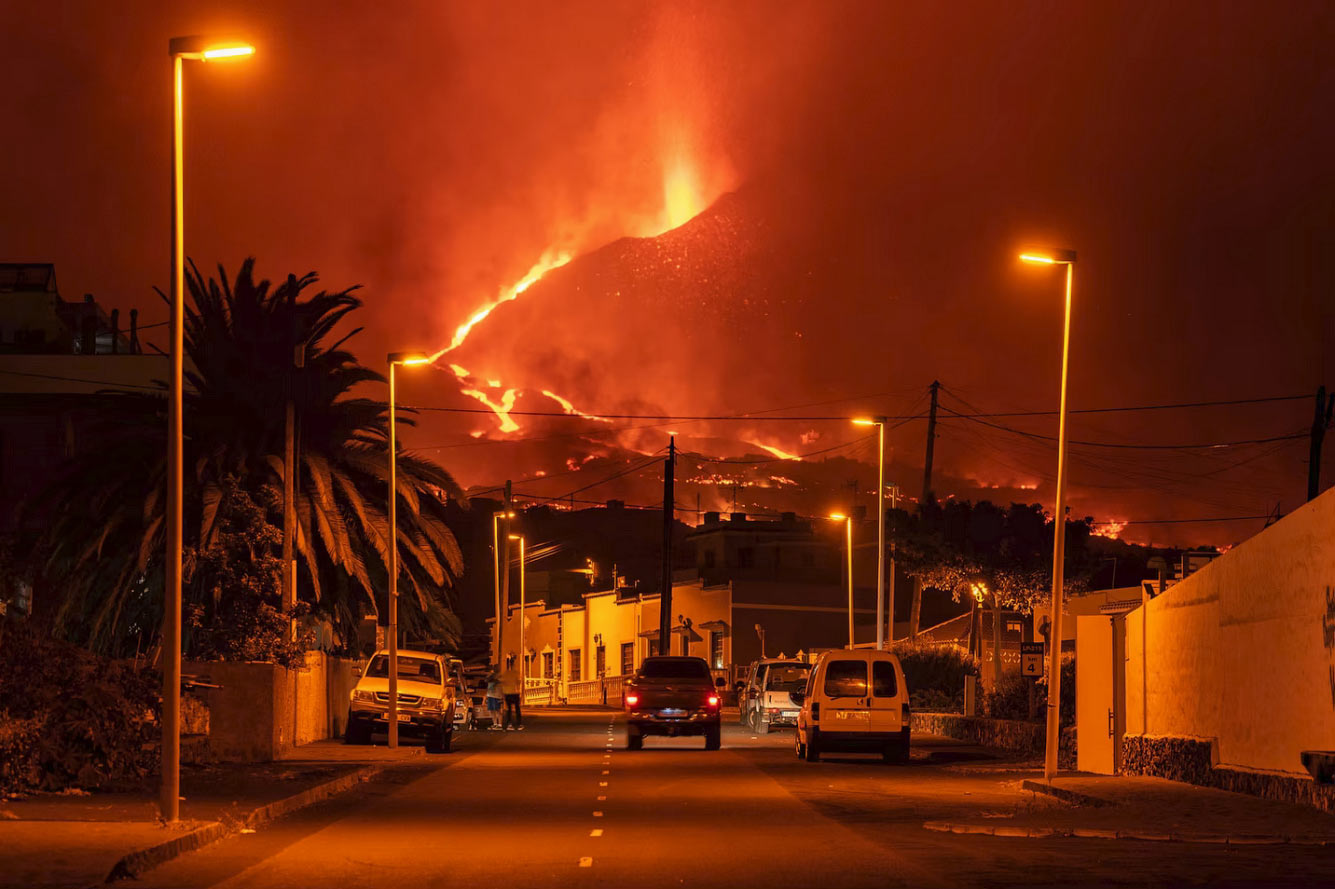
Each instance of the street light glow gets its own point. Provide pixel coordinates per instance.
(1049, 257)
(227, 52)
(409, 358)
(837, 516)
(864, 422)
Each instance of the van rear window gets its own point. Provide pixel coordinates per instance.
(883, 681)
(846, 679)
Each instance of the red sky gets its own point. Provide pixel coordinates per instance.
(893, 158)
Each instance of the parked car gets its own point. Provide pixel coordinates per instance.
(465, 708)
(673, 696)
(426, 706)
(856, 701)
(773, 695)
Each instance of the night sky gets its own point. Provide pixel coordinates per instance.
(879, 166)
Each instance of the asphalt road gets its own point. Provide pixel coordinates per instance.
(565, 804)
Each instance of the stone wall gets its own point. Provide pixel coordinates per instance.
(1017, 735)
(1194, 761)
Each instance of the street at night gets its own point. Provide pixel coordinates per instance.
(523, 810)
(726, 444)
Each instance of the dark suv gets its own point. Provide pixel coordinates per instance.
(673, 696)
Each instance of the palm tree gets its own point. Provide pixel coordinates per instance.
(104, 549)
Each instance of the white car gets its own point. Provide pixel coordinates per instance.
(773, 695)
(426, 706)
(856, 702)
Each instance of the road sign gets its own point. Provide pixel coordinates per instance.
(1031, 659)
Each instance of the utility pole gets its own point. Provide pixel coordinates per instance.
(503, 560)
(669, 514)
(931, 446)
(1320, 423)
(289, 493)
(890, 619)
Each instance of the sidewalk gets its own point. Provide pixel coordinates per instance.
(1140, 808)
(75, 839)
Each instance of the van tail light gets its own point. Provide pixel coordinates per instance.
(815, 710)
(713, 700)
(632, 700)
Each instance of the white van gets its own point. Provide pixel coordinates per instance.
(856, 701)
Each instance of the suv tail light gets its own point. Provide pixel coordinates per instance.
(632, 700)
(713, 700)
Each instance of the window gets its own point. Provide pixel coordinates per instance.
(416, 668)
(846, 679)
(685, 643)
(627, 658)
(709, 559)
(548, 664)
(576, 665)
(653, 647)
(883, 681)
(746, 557)
(600, 661)
(716, 649)
(677, 668)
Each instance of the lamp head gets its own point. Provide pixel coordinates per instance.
(408, 358)
(838, 516)
(205, 49)
(1048, 256)
(869, 421)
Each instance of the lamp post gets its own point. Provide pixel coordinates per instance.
(879, 423)
(496, 554)
(523, 654)
(180, 49)
(395, 359)
(1066, 258)
(848, 523)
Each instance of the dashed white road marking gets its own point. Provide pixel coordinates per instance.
(602, 783)
(606, 772)
(596, 832)
(602, 798)
(586, 862)
(597, 814)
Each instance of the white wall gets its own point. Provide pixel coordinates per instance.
(1243, 651)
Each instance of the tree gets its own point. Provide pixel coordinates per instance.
(104, 544)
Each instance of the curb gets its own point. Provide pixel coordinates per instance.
(1040, 833)
(1074, 797)
(137, 863)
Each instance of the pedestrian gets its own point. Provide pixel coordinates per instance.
(494, 696)
(510, 687)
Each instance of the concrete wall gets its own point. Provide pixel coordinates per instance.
(262, 710)
(1243, 651)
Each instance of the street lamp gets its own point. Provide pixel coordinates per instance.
(879, 423)
(523, 654)
(848, 523)
(1066, 258)
(395, 359)
(180, 49)
(496, 559)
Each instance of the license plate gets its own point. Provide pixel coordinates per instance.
(671, 713)
(790, 714)
(405, 717)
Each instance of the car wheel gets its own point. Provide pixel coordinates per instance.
(798, 747)
(357, 732)
(440, 741)
(744, 717)
(762, 727)
(634, 740)
(811, 750)
(714, 738)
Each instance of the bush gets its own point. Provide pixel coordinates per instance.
(935, 674)
(1067, 691)
(1010, 699)
(70, 718)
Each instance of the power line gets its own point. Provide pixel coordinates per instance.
(1236, 518)
(671, 418)
(1141, 407)
(1126, 445)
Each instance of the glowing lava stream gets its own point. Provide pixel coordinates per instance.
(571, 409)
(781, 454)
(552, 259)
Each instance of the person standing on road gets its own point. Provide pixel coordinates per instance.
(510, 683)
(494, 695)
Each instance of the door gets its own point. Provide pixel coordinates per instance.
(885, 713)
(1095, 714)
(845, 692)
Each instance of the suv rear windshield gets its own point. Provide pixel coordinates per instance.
(846, 679)
(787, 677)
(675, 668)
(416, 668)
